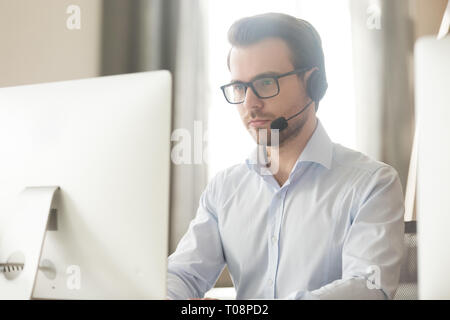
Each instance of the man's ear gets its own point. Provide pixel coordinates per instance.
(308, 74)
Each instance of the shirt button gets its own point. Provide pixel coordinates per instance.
(270, 282)
(274, 240)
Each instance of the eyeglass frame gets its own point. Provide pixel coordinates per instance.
(250, 83)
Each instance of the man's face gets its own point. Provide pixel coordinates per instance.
(269, 56)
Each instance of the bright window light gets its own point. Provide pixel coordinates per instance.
(228, 141)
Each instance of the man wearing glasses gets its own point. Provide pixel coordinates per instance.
(309, 219)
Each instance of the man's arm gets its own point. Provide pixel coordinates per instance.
(198, 260)
(373, 249)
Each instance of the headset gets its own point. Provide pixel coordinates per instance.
(316, 86)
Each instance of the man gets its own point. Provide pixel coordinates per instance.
(314, 221)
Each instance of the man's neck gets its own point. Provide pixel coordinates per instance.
(290, 151)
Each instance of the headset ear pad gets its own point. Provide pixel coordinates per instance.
(316, 86)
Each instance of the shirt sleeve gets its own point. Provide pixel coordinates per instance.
(198, 259)
(374, 246)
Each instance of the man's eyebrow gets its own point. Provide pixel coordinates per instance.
(258, 76)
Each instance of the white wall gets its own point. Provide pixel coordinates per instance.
(36, 46)
(428, 16)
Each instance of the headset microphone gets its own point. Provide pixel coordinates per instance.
(281, 123)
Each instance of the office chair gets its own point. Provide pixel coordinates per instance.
(407, 289)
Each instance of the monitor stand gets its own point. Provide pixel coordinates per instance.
(22, 242)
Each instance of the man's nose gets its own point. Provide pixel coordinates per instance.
(251, 100)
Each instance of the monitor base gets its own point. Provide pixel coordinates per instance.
(21, 245)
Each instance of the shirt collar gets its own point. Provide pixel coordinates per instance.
(319, 149)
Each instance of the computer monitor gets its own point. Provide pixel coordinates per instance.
(106, 143)
(432, 74)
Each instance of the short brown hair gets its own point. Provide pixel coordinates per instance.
(301, 37)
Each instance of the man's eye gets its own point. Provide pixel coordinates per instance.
(267, 82)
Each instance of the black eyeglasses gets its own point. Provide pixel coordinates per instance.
(264, 87)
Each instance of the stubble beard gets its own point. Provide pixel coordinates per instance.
(263, 137)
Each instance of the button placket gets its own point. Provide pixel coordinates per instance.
(272, 247)
(274, 240)
(276, 234)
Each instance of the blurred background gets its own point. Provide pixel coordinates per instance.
(368, 45)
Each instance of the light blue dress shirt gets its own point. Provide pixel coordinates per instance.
(334, 230)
